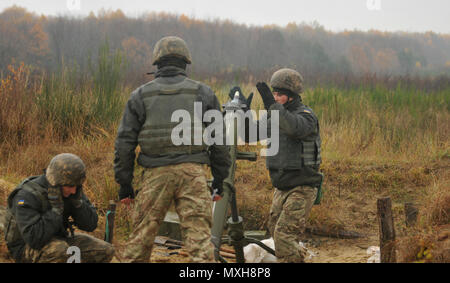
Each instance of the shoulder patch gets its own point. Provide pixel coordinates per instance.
(21, 202)
(307, 111)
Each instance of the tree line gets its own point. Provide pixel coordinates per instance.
(220, 49)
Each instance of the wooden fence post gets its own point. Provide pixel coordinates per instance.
(387, 231)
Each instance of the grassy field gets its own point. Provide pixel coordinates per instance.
(377, 141)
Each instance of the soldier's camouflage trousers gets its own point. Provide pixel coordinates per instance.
(92, 250)
(185, 186)
(287, 221)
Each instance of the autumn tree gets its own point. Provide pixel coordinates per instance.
(22, 38)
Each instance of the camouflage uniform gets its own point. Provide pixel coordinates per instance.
(92, 250)
(288, 215)
(185, 186)
(172, 173)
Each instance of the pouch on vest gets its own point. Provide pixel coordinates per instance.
(311, 153)
(12, 233)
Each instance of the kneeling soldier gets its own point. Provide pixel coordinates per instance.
(38, 214)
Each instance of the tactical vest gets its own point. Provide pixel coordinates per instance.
(12, 233)
(161, 101)
(294, 154)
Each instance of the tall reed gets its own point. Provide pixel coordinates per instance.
(73, 103)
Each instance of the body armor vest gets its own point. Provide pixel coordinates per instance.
(12, 233)
(295, 154)
(161, 101)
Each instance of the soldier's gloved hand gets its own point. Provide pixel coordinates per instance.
(217, 190)
(247, 101)
(126, 193)
(56, 199)
(266, 94)
(75, 199)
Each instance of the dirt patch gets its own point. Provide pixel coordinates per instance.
(341, 250)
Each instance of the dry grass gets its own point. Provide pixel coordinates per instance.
(367, 154)
(351, 187)
(429, 241)
(17, 113)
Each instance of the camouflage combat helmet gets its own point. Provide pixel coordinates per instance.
(66, 169)
(287, 79)
(171, 45)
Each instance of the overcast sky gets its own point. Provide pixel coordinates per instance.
(335, 15)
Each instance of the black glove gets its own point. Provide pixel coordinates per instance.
(242, 99)
(217, 187)
(126, 191)
(56, 199)
(266, 94)
(75, 199)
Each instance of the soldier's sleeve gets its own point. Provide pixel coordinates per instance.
(219, 154)
(85, 217)
(296, 125)
(37, 229)
(127, 139)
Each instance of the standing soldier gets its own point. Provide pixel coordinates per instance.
(294, 169)
(38, 212)
(172, 173)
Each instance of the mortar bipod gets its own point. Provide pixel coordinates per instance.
(236, 236)
(220, 211)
